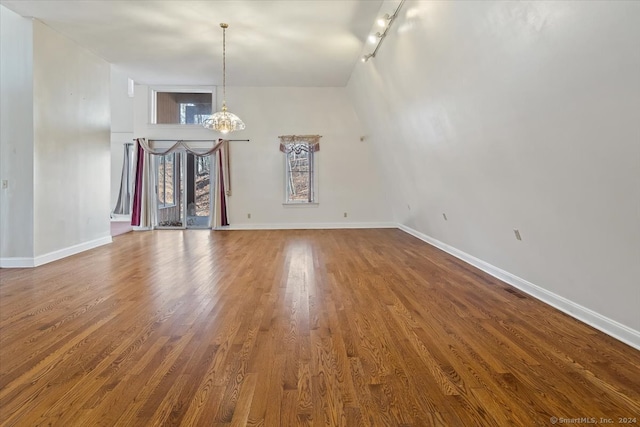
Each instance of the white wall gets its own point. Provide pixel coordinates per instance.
(16, 135)
(121, 127)
(121, 106)
(347, 177)
(71, 143)
(519, 115)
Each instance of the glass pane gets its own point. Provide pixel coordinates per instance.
(170, 188)
(203, 186)
(182, 108)
(300, 188)
(160, 184)
(199, 201)
(168, 179)
(299, 182)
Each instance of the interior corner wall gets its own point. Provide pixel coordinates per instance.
(121, 127)
(71, 143)
(121, 104)
(348, 178)
(517, 115)
(16, 135)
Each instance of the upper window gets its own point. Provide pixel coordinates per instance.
(182, 108)
(300, 176)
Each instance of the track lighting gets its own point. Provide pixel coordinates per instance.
(382, 22)
(376, 38)
(373, 38)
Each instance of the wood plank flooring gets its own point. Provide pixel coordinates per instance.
(287, 328)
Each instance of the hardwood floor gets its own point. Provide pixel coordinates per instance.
(285, 328)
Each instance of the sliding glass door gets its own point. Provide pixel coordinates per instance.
(199, 191)
(184, 190)
(169, 190)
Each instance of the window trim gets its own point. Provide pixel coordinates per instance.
(153, 90)
(173, 204)
(313, 176)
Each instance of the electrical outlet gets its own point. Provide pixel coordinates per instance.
(517, 233)
(5, 184)
(249, 215)
(345, 214)
(444, 215)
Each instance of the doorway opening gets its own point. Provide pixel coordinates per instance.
(199, 191)
(184, 191)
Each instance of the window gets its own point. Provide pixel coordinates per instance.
(299, 167)
(183, 108)
(300, 175)
(166, 180)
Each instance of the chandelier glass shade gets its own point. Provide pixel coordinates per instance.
(223, 121)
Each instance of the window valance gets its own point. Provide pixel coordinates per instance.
(299, 143)
(180, 144)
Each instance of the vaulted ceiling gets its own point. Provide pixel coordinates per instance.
(269, 43)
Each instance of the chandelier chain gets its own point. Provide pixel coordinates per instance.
(223, 121)
(224, 65)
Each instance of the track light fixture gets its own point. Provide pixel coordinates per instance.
(365, 58)
(382, 22)
(376, 38)
(373, 38)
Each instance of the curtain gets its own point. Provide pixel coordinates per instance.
(123, 205)
(290, 143)
(222, 185)
(179, 145)
(144, 213)
(144, 201)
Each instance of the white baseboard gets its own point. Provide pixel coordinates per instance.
(588, 316)
(17, 262)
(53, 256)
(309, 226)
(121, 218)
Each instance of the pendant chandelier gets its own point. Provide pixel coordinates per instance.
(224, 121)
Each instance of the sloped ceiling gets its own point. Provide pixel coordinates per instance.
(269, 43)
